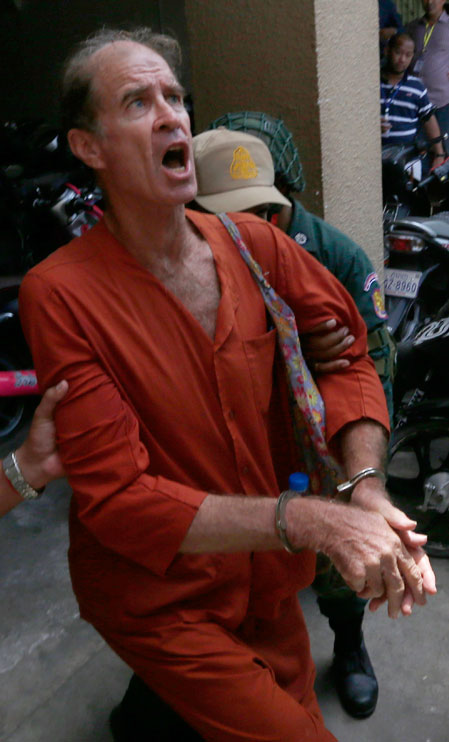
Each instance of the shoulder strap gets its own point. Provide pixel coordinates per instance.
(308, 407)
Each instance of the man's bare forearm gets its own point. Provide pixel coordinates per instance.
(366, 551)
(229, 523)
(364, 444)
(232, 523)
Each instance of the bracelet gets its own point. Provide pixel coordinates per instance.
(347, 488)
(12, 472)
(280, 520)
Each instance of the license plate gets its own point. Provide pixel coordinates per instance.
(401, 283)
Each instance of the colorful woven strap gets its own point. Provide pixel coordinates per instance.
(307, 404)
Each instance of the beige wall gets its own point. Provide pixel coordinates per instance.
(316, 68)
(259, 56)
(347, 61)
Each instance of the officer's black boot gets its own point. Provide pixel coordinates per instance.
(353, 672)
(144, 717)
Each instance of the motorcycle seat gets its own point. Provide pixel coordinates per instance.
(439, 223)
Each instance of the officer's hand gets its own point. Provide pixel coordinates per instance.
(323, 345)
(37, 456)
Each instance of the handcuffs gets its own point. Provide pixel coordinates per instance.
(345, 488)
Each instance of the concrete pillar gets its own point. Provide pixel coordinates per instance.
(315, 64)
(347, 59)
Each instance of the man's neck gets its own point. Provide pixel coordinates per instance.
(284, 218)
(433, 17)
(156, 236)
(393, 77)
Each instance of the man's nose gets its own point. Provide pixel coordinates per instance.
(166, 115)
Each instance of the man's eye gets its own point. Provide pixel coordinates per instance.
(137, 103)
(175, 99)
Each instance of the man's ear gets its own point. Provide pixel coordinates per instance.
(84, 145)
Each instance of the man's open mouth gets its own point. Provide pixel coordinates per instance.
(175, 158)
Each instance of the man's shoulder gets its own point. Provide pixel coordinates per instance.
(241, 219)
(415, 83)
(61, 265)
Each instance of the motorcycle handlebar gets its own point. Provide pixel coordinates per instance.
(440, 173)
(418, 147)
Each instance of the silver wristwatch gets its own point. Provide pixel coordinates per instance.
(15, 476)
(346, 488)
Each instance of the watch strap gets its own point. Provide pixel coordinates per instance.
(12, 472)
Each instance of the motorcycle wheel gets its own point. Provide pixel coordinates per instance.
(12, 409)
(417, 451)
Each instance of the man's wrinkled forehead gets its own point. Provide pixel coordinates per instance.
(121, 62)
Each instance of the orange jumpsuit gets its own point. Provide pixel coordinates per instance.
(157, 416)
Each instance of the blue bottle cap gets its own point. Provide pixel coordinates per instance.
(298, 482)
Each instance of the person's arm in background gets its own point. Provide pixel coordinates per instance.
(37, 457)
(432, 129)
(390, 21)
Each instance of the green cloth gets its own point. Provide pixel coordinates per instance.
(350, 264)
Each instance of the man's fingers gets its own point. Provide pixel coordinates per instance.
(326, 326)
(428, 584)
(407, 602)
(327, 347)
(394, 587)
(50, 399)
(375, 603)
(411, 539)
(412, 577)
(328, 367)
(428, 575)
(395, 518)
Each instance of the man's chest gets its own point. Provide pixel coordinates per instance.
(196, 285)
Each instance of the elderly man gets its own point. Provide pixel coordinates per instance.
(175, 432)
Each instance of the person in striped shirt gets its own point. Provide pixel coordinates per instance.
(404, 103)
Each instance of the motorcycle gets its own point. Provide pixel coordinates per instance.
(405, 190)
(40, 209)
(418, 468)
(416, 274)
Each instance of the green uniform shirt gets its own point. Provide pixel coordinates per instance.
(349, 263)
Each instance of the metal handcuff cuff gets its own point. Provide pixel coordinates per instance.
(345, 488)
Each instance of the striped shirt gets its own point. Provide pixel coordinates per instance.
(405, 104)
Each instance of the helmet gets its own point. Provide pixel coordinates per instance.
(277, 138)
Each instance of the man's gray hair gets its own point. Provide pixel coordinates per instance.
(79, 109)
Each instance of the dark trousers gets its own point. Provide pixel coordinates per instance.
(335, 599)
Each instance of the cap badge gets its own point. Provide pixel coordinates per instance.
(243, 166)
